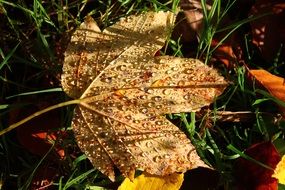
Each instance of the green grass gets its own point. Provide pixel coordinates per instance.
(34, 37)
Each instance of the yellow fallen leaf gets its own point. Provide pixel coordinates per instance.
(279, 172)
(152, 182)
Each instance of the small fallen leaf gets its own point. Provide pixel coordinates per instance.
(151, 182)
(125, 90)
(279, 172)
(224, 53)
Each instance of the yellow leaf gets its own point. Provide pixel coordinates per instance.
(153, 182)
(279, 172)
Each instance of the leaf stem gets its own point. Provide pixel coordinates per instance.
(38, 113)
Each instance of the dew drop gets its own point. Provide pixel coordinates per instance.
(72, 82)
(108, 110)
(168, 135)
(176, 135)
(158, 123)
(107, 80)
(149, 32)
(147, 67)
(156, 150)
(161, 61)
(175, 76)
(143, 154)
(168, 72)
(158, 106)
(148, 144)
(128, 117)
(121, 107)
(188, 71)
(149, 90)
(121, 67)
(145, 125)
(136, 121)
(150, 115)
(126, 80)
(186, 97)
(181, 83)
(156, 159)
(166, 91)
(174, 69)
(143, 97)
(150, 104)
(128, 132)
(124, 98)
(144, 110)
(157, 98)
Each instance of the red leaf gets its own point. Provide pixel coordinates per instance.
(250, 175)
(37, 134)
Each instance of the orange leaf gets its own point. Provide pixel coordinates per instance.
(153, 182)
(274, 84)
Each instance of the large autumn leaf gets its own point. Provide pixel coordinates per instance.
(125, 90)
